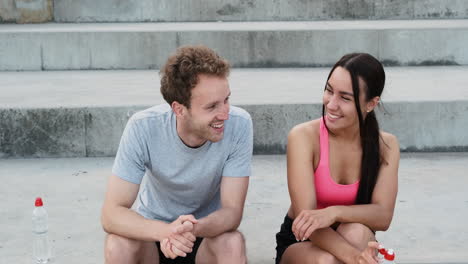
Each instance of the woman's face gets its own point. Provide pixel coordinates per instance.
(338, 99)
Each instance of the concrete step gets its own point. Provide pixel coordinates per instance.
(259, 10)
(246, 44)
(26, 11)
(40, 11)
(427, 226)
(83, 113)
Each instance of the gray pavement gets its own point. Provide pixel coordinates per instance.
(429, 225)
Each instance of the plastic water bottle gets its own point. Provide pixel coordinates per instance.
(41, 248)
(389, 257)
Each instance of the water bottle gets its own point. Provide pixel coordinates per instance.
(389, 257)
(41, 248)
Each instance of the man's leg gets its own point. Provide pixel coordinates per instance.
(226, 248)
(119, 249)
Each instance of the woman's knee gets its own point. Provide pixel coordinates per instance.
(306, 253)
(324, 257)
(355, 233)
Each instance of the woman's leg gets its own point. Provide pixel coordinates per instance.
(307, 253)
(356, 234)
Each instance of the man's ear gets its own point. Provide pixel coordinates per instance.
(372, 104)
(179, 109)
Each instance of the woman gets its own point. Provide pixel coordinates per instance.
(342, 172)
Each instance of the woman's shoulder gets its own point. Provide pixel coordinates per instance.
(306, 130)
(304, 141)
(389, 145)
(388, 139)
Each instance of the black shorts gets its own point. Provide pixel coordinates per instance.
(284, 238)
(189, 259)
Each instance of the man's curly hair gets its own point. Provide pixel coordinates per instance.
(180, 73)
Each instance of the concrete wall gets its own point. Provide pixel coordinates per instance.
(91, 132)
(254, 10)
(38, 11)
(26, 11)
(68, 47)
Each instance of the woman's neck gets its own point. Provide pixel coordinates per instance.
(350, 135)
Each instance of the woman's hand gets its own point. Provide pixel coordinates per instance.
(369, 255)
(310, 220)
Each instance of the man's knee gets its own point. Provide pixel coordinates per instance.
(229, 245)
(355, 233)
(233, 241)
(118, 248)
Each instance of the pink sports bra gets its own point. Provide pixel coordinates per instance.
(327, 191)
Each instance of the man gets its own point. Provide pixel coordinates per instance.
(196, 154)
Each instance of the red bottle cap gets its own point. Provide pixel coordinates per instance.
(38, 202)
(390, 255)
(382, 250)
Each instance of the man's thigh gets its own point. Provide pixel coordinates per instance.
(119, 249)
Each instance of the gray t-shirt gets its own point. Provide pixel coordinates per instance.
(179, 179)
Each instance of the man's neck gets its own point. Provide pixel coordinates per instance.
(190, 140)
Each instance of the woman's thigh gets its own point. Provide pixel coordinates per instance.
(307, 252)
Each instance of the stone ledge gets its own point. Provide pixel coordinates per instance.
(267, 44)
(26, 11)
(96, 131)
(258, 10)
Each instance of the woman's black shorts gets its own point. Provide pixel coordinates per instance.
(284, 238)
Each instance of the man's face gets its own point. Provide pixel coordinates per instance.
(209, 108)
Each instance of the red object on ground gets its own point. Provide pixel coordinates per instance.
(38, 202)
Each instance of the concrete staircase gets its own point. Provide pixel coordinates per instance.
(70, 81)
(68, 87)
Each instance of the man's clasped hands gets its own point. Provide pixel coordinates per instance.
(180, 237)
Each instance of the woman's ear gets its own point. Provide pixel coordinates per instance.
(372, 104)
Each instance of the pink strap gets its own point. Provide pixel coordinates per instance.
(323, 143)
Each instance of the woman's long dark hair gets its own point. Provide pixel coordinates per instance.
(370, 70)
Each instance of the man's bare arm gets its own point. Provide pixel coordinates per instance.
(228, 217)
(117, 217)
